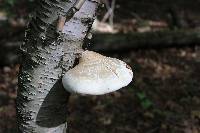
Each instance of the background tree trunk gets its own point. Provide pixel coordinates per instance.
(158, 39)
(41, 99)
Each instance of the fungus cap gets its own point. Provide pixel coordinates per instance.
(97, 74)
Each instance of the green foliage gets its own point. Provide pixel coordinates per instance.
(144, 101)
(10, 2)
(141, 95)
(7, 6)
(12, 7)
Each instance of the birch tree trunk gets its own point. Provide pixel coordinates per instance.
(41, 99)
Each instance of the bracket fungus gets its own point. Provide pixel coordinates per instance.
(97, 74)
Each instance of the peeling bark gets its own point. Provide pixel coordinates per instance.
(41, 99)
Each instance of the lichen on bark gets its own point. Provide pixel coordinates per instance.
(41, 99)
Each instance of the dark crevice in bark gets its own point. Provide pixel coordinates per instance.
(47, 114)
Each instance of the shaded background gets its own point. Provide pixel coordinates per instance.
(159, 39)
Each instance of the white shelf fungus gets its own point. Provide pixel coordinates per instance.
(97, 74)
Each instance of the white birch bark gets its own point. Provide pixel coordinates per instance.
(41, 99)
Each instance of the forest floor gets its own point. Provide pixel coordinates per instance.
(163, 98)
